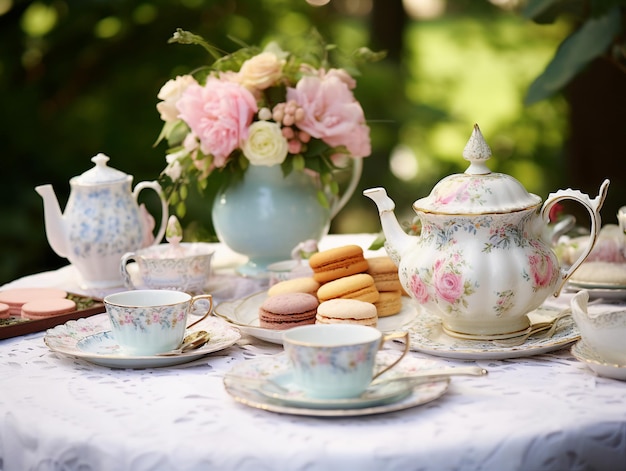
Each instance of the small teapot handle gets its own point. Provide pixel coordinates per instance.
(154, 185)
(357, 170)
(593, 208)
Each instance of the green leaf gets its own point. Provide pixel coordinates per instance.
(547, 11)
(185, 37)
(181, 209)
(580, 48)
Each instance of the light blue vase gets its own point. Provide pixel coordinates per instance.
(265, 215)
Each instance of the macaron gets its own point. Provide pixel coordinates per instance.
(600, 272)
(284, 311)
(346, 311)
(17, 297)
(360, 286)
(43, 308)
(385, 274)
(389, 303)
(305, 284)
(5, 311)
(338, 262)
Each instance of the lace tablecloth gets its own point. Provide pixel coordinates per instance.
(547, 412)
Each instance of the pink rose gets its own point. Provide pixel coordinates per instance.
(448, 285)
(219, 114)
(331, 113)
(541, 269)
(419, 289)
(342, 75)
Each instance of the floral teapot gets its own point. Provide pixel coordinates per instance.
(102, 221)
(483, 259)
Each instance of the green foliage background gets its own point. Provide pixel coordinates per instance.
(78, 77)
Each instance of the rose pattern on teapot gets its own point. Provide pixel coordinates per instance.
(483, 259)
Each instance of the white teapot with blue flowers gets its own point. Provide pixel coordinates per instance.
(102, 221)
(483, 259)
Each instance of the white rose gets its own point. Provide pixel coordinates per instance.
(170, 93)
(261, 71)
(266, 144)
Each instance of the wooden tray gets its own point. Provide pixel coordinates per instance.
(85, 307)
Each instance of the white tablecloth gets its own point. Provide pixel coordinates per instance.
(547, 412)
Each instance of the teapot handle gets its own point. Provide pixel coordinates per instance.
(357, 170)
(593, 208)
(154, 185)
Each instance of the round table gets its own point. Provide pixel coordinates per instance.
(545, 412)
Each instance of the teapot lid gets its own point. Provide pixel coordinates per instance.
(478, 190)
(100, 173)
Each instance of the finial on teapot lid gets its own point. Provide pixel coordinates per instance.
(174, 231)
(477, 152)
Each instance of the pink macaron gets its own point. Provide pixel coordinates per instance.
(284, 311)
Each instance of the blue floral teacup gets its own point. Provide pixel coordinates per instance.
(149, 322)
(336, 361)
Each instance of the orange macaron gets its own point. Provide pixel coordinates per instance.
(389, 303)
(360, 286)
(304, 284)
(338, 262)
(385, 273)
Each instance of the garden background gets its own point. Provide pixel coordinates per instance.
(79, 77)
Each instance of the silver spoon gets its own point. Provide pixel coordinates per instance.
(427, 375)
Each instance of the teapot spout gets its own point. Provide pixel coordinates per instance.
(397, 241)
(53, 220)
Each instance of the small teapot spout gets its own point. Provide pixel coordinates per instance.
(53, 219)
(397, 241)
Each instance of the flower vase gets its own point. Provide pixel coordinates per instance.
(265, 215)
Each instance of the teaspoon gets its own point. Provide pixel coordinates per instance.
(190, 342)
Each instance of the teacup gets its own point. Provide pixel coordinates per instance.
(603, 328)
(336, 361)
(287, 270)
(149, 322)
(184, 267)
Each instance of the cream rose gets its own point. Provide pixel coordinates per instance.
(170, 93)
(265, 144)
(261, 71)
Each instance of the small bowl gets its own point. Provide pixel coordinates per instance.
(603, 328)
(183, 268)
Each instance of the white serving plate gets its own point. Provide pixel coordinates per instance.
(244, 314)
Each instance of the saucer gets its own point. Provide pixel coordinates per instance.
(90, 339)
(244, 314)
(294, 396)
(584, 353)
(246, 382)
(596, 290)
(427, 335)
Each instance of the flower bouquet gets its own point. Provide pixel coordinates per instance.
(261, 107)
(279, 125)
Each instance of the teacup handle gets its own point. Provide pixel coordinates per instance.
(127, 257)
(209, 298)
(393, 336)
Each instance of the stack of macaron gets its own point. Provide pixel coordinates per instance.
(35, 303)
(346, 287)
(345, 273)
(387, 282)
